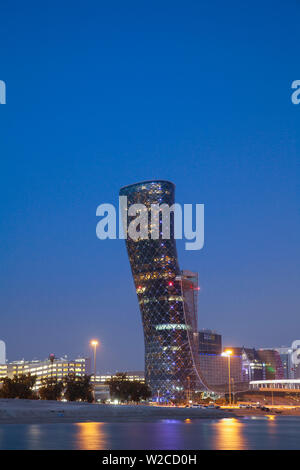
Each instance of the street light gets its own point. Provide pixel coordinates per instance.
(228, 353)
(188, 392)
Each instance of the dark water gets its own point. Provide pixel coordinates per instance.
(229, 433)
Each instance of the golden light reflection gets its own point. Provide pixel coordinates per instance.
(91, 436)
(187, 420)
(229, 435)
(271, 417)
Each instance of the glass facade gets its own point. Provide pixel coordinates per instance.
(166, 296)
(210, 342)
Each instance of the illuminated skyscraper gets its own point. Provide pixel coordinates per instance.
(167, 298)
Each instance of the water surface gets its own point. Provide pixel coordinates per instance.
(228, 433)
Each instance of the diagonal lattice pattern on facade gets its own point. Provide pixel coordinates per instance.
(166, 298)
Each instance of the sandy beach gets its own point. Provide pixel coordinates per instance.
(14, 411)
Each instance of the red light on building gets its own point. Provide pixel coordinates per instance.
(170, 283)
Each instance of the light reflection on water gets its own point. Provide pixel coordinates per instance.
(229, 434)
(90, 436)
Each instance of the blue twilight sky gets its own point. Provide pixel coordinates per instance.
(104, 94)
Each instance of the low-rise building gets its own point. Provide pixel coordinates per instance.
(102, 388)
(288, 385)
(130, 375)
(56, 368)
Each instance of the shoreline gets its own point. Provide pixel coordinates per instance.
(17, 411)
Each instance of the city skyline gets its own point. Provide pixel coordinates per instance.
(106, 100)
(85, 351)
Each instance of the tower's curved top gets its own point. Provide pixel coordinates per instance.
(147, 183)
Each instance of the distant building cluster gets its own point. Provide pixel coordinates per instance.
(247, 364)
(260, 364)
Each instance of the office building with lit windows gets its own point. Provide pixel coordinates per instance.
(132, 376)
(58, 369)
(167, 299)
(101, 387)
